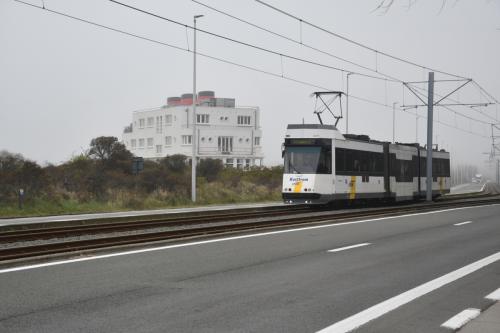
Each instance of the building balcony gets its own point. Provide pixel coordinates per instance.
(128, 129)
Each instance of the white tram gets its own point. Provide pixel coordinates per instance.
(323, 166)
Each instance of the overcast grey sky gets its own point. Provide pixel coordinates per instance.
(64, 82)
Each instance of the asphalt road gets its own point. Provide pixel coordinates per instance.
(279, 282)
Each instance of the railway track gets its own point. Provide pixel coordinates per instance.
(33, 232)
(194, 227)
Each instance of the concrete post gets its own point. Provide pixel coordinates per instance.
(430, 109)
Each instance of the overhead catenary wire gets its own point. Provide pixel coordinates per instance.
(300, 41)
(349, 40)
(452, 110)
(272, 51)
(250, 45)
(473, 107)
(161, 43)
(362, 45)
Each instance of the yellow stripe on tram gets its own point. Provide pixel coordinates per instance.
(352, 194)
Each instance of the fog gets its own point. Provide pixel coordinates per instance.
(64, 82)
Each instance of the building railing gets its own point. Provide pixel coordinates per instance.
(128, 129)
(235, 151)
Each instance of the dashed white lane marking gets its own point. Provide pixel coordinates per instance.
(462, 223)
(461, 319)
(494, 296)
(395, 302)
(217, 240)
(348, 247)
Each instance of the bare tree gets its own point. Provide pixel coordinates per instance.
(384, 5)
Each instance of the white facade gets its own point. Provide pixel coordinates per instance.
(231, 134)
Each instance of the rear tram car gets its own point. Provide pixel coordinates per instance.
(322, 166)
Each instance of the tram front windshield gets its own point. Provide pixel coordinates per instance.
(308, 160)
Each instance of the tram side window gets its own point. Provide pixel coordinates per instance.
(340, 160)
(325, 161)
(447, 167)
(436, 167)
(402, 170)
(423, 166)
(377, 163)
(358, 162)
(364, 158)
(441, 167)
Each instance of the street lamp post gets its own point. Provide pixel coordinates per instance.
(193, 137)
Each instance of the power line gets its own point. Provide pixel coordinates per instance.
(473, 107)
(452, 110)
(305, 83)
(272, 51)
(260, 48)
(299, 42)
(377, 52)
(486, 93)
(447, 125)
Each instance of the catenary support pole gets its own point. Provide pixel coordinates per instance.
(430, 109)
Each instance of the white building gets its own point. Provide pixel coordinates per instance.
(231, 134)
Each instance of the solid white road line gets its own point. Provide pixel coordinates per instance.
(348, 247)
(462, 223)
(395, 302)
(217, 240)
(461, 319)
(494, 296)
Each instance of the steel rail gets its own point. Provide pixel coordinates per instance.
(18, 233)
(72, 247)
(32, 232)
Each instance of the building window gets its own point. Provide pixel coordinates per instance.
(229, 162)
(141, 123)
(159, 124)
(158, 149)
(257, 140)
(168, 119)
(243, 120)
(151, 121)
(168, 141)
(186, 139)
(247, 163)
(133, 143)
(239, 163)
(141, 143)
(202, 118)
(150, 142)
(225, 144)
